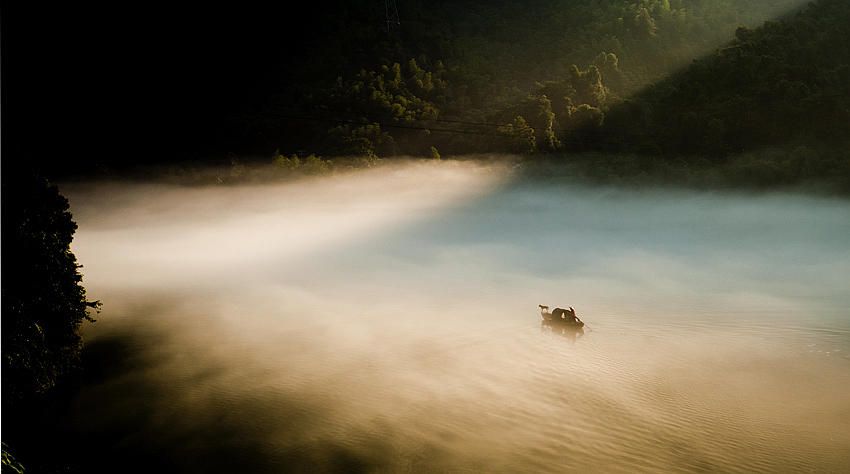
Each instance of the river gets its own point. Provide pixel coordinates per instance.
(387, 321)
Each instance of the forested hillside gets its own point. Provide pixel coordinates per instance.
(656, 81)
(452, 74)
(780, 82)
(771, 107)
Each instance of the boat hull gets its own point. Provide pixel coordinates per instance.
(563, 322)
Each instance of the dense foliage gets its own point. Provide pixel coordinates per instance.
(464, 77)
(43, 302)
(771, 106)
(680, 81)
(783, 82)
(43, 306)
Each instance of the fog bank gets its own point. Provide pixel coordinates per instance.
(387, 321)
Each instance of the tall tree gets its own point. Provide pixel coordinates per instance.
(43, 300)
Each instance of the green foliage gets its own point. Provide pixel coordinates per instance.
(283, 163)
(584, 77)
(312, 165)
(460, 61)
(389, 98)
(781, 83)
(540, 40)
(366, 140)
(518, 136)
(43, 300)
(316, 165)
(532, 117)
(561, 111)
(10, 465)
(610, 73)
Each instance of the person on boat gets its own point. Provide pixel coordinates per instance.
(571, 316)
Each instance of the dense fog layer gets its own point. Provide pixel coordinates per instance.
(388, 321)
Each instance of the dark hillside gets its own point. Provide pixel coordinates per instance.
(173, 84)
(475, 61)
(785, 82)
(770, 108)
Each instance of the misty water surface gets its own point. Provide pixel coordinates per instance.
(387, 321)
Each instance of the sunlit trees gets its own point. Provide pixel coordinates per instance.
(610, 73)
(518, 137)
(588, 86)
(557, 109)
(776, 85)
(379, 99)
(536, 112)
(311, 165)
(645, 24)
(364, 140)
(589, 76)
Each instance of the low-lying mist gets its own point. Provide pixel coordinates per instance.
(387, 321)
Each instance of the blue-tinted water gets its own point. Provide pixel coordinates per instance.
(388, 322)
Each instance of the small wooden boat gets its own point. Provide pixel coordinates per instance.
(561, 316)
(562, 322)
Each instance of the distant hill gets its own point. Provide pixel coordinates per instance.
(781, 84)
(771, 108)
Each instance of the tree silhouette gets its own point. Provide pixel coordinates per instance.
(43, 300)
